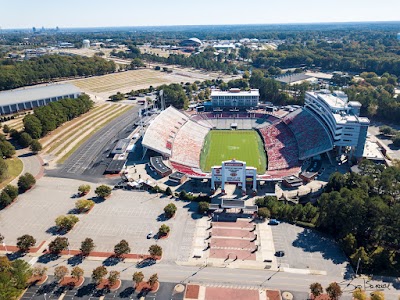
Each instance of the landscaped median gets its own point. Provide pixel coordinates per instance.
(15, 167)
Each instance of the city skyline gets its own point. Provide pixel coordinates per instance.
(177, 12)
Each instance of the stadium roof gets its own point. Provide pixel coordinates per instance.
(37, 93)
(293, 78)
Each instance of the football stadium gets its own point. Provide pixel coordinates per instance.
(275, 144)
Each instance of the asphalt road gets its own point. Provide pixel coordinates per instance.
(241, 278)
(91, 159)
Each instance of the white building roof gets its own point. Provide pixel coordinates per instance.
(372, 151)
(235, 92)
(37, 93)
(333, 101)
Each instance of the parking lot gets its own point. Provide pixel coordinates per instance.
(307, 249)
(50, 291)
(129, 215)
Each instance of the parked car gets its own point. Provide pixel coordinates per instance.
(280, 253)
(274, 222)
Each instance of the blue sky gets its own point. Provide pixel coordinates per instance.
(95, 13)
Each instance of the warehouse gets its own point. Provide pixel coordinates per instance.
(28, 98)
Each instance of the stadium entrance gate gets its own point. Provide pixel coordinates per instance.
(233, 172)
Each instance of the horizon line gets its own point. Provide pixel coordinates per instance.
(204, 25)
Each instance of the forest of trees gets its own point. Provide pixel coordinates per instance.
(361, 211)
(45, 68)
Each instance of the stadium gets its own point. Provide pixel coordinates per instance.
(274, 144)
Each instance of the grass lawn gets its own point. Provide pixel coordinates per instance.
(15, 167)
(244, 145)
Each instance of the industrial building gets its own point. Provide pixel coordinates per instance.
(28, 98)
(235, 98)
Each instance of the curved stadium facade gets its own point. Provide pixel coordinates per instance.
(326, 121)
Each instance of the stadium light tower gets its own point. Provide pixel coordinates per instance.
(162, 100)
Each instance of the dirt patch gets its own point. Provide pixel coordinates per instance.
(73, 282)
(273, 295)
(144, 286)
(105, 284)
(37, 280)
(192, 291)
(217, 293)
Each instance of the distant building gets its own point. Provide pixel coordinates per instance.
(86, 44)
(296, 78)
(192, 42)
(341, 117)
(28, 98)
(235, 98)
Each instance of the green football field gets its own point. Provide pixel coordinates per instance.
(244, 145)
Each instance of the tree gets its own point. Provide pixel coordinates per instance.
(99, 273)
(113, 277)
(5, 264)
(203, 207)
(84, 205)
(60, 272)
(5, 199)
(6, 149)
(122, 248)
(396, 140)
(155, 250)
(153, 280)
(58, 244)
(3, 169)
(103, 191)
(137, 277)
(84, 189)
(137, 63)
(168, 191)
(263, 213)
(87, 246)
(25, 182)
(66, 222)
(334, 291)
(387, 130)
(25, 139)
(11, 190)
(39, 271)
(33, 126)
(77, 273)
(316, 289)
(170, 210)
(25, 242)
(377, 295)
(35, 146)
(163, 230)
(359, 294)
(6, 128)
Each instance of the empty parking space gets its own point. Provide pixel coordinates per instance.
(307, 249)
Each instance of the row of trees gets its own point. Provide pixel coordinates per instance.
(48, 67)
(47, 118)
(11, 192)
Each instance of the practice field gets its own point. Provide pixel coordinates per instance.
(244, 145)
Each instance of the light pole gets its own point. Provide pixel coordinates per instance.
(5, 247)
(358, 265)
(44, 295)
